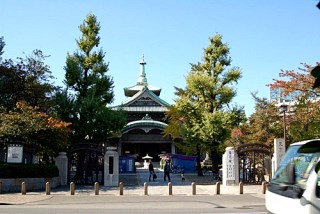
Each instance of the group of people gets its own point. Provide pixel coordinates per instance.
(166, 172)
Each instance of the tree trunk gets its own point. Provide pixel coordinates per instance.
(199, 170)
(214, 158)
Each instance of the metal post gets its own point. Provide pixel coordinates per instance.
(194, 192)
(121, 188)
(96, 188)
(284, 127)
(218, 188)
(145, 188)
(170, 188)
(240, 188)
(48, 190)
(23, 188)
(72, 188)
(284, 108)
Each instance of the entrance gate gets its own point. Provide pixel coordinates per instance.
(86, 163)
(254, 162)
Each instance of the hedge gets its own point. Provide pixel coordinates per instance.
(28, 171)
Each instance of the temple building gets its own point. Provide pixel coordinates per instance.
(145, 110)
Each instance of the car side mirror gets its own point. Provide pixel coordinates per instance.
(291, 170)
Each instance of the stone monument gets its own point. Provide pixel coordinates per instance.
(279, 151)
(230, 167)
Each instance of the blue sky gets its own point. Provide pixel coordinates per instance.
(264, 37)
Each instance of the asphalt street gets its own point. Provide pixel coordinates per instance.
(135, 199)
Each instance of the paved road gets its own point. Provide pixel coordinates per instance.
(182, 199)
(142, 204)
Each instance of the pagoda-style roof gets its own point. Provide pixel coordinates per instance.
(142, 82)
(145, 101)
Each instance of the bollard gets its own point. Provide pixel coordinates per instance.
(48, 188)
(145, 188)
(240, 188)
(218, 188)
(121, 188)
(264, 187)
(193, 185)
(23, 188)
(170, 188)
(0, 187)
(72, 188)
(96, 188)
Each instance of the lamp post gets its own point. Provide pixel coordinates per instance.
(284, 108)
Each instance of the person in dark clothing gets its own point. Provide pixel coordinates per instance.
(167, 170)
(151, 170)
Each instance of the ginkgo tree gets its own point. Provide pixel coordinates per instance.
(89, 89)
(202, 110)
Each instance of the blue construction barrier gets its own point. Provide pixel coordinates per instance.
(183, 163)
(126, 164)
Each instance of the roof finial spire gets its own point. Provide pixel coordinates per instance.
(142, 80)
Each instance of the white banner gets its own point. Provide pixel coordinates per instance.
(15, 153)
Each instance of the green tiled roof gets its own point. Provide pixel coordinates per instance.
(145, 121)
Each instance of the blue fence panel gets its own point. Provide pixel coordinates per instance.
(126, 164)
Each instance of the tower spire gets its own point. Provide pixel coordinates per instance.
(142, 80)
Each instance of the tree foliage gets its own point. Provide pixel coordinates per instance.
(298, 83)
(261, 127)
(202, 110)
(26, 114)
(28, 124)
(88, 89)
(302, 116)
(28, 80)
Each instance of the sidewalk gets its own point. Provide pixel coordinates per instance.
(134, 185)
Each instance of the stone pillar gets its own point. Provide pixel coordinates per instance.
(230, 167)
(62, 163)
(279, 150)
(111, 167)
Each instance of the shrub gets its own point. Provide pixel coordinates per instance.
(28, 171)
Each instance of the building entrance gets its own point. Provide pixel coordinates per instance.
(139, 150)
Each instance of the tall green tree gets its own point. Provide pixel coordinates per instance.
(89, 89)
(204, 105)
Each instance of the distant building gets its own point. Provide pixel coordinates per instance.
(145, 114)
(277, 95)
(282, 101)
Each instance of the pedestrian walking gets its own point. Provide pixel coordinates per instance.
(151, 171)
(167, 170)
